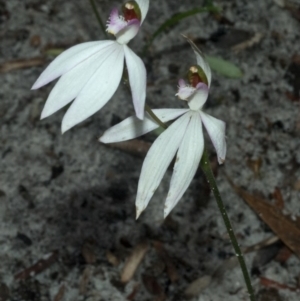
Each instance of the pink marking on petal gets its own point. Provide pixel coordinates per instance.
(115, 22)
(202, 86)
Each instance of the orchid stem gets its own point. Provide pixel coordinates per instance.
(94, 8)
(206, 167)
(154, 117)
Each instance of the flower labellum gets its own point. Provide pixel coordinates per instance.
(184, 138)
(91, 72)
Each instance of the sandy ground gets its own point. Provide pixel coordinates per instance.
(67, 202)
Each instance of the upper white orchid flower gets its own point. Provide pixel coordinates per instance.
(184, 136)
(91, 72)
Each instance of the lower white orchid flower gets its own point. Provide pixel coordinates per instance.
(184, 136)
(91, 72)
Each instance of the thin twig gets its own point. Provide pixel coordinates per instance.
(154, 117)
(94, 8)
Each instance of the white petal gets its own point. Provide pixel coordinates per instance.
(71, 83)
(98, 90)
(187, 162)
(144, 6)
(133, 127)
(158, 159)
(216, 132)
(129, 32)
(68, 60)
(137, 80)
(199, 98)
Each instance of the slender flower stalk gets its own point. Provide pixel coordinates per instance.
(206, 167)
(94, 8)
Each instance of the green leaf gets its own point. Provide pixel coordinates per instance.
(223, 67)
(176, 18)
(54, 51)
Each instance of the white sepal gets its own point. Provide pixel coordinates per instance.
(68, 60)
(158, 159)
(98, 90)
(137, 80)
(133, 127)
(216, 132)
(187, 162)
(144, 6)
(71, 83)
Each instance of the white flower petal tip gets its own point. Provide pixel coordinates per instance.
(138, 212)
(68, 60)
(144, 7)
(115, 22)
(184, 91)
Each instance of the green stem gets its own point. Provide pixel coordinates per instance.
(94, 8)
(154, 117)
(205, 165)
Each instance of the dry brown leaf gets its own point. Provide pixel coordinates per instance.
(60, 294)
(248, 44)
(197, 286)
(170, 267)
(152, 285)
(282, 225)
(21, 64)
(84, 280)
(112, 258)
(135, 290)
(88, 252)
(38, 267)
(274, 284)
(134, 147)
(133, 261)
(279, 202)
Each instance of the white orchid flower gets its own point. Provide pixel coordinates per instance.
(91, 72)
(184, 136)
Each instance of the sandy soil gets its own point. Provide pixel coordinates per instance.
(67, 202)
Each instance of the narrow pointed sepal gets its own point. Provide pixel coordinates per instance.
(132, 127)
(68, 60)
(187, 162)
(158, 159)
(144, 7)
(98, 90)
(216, 131)
(137, 80)
(70, 84)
